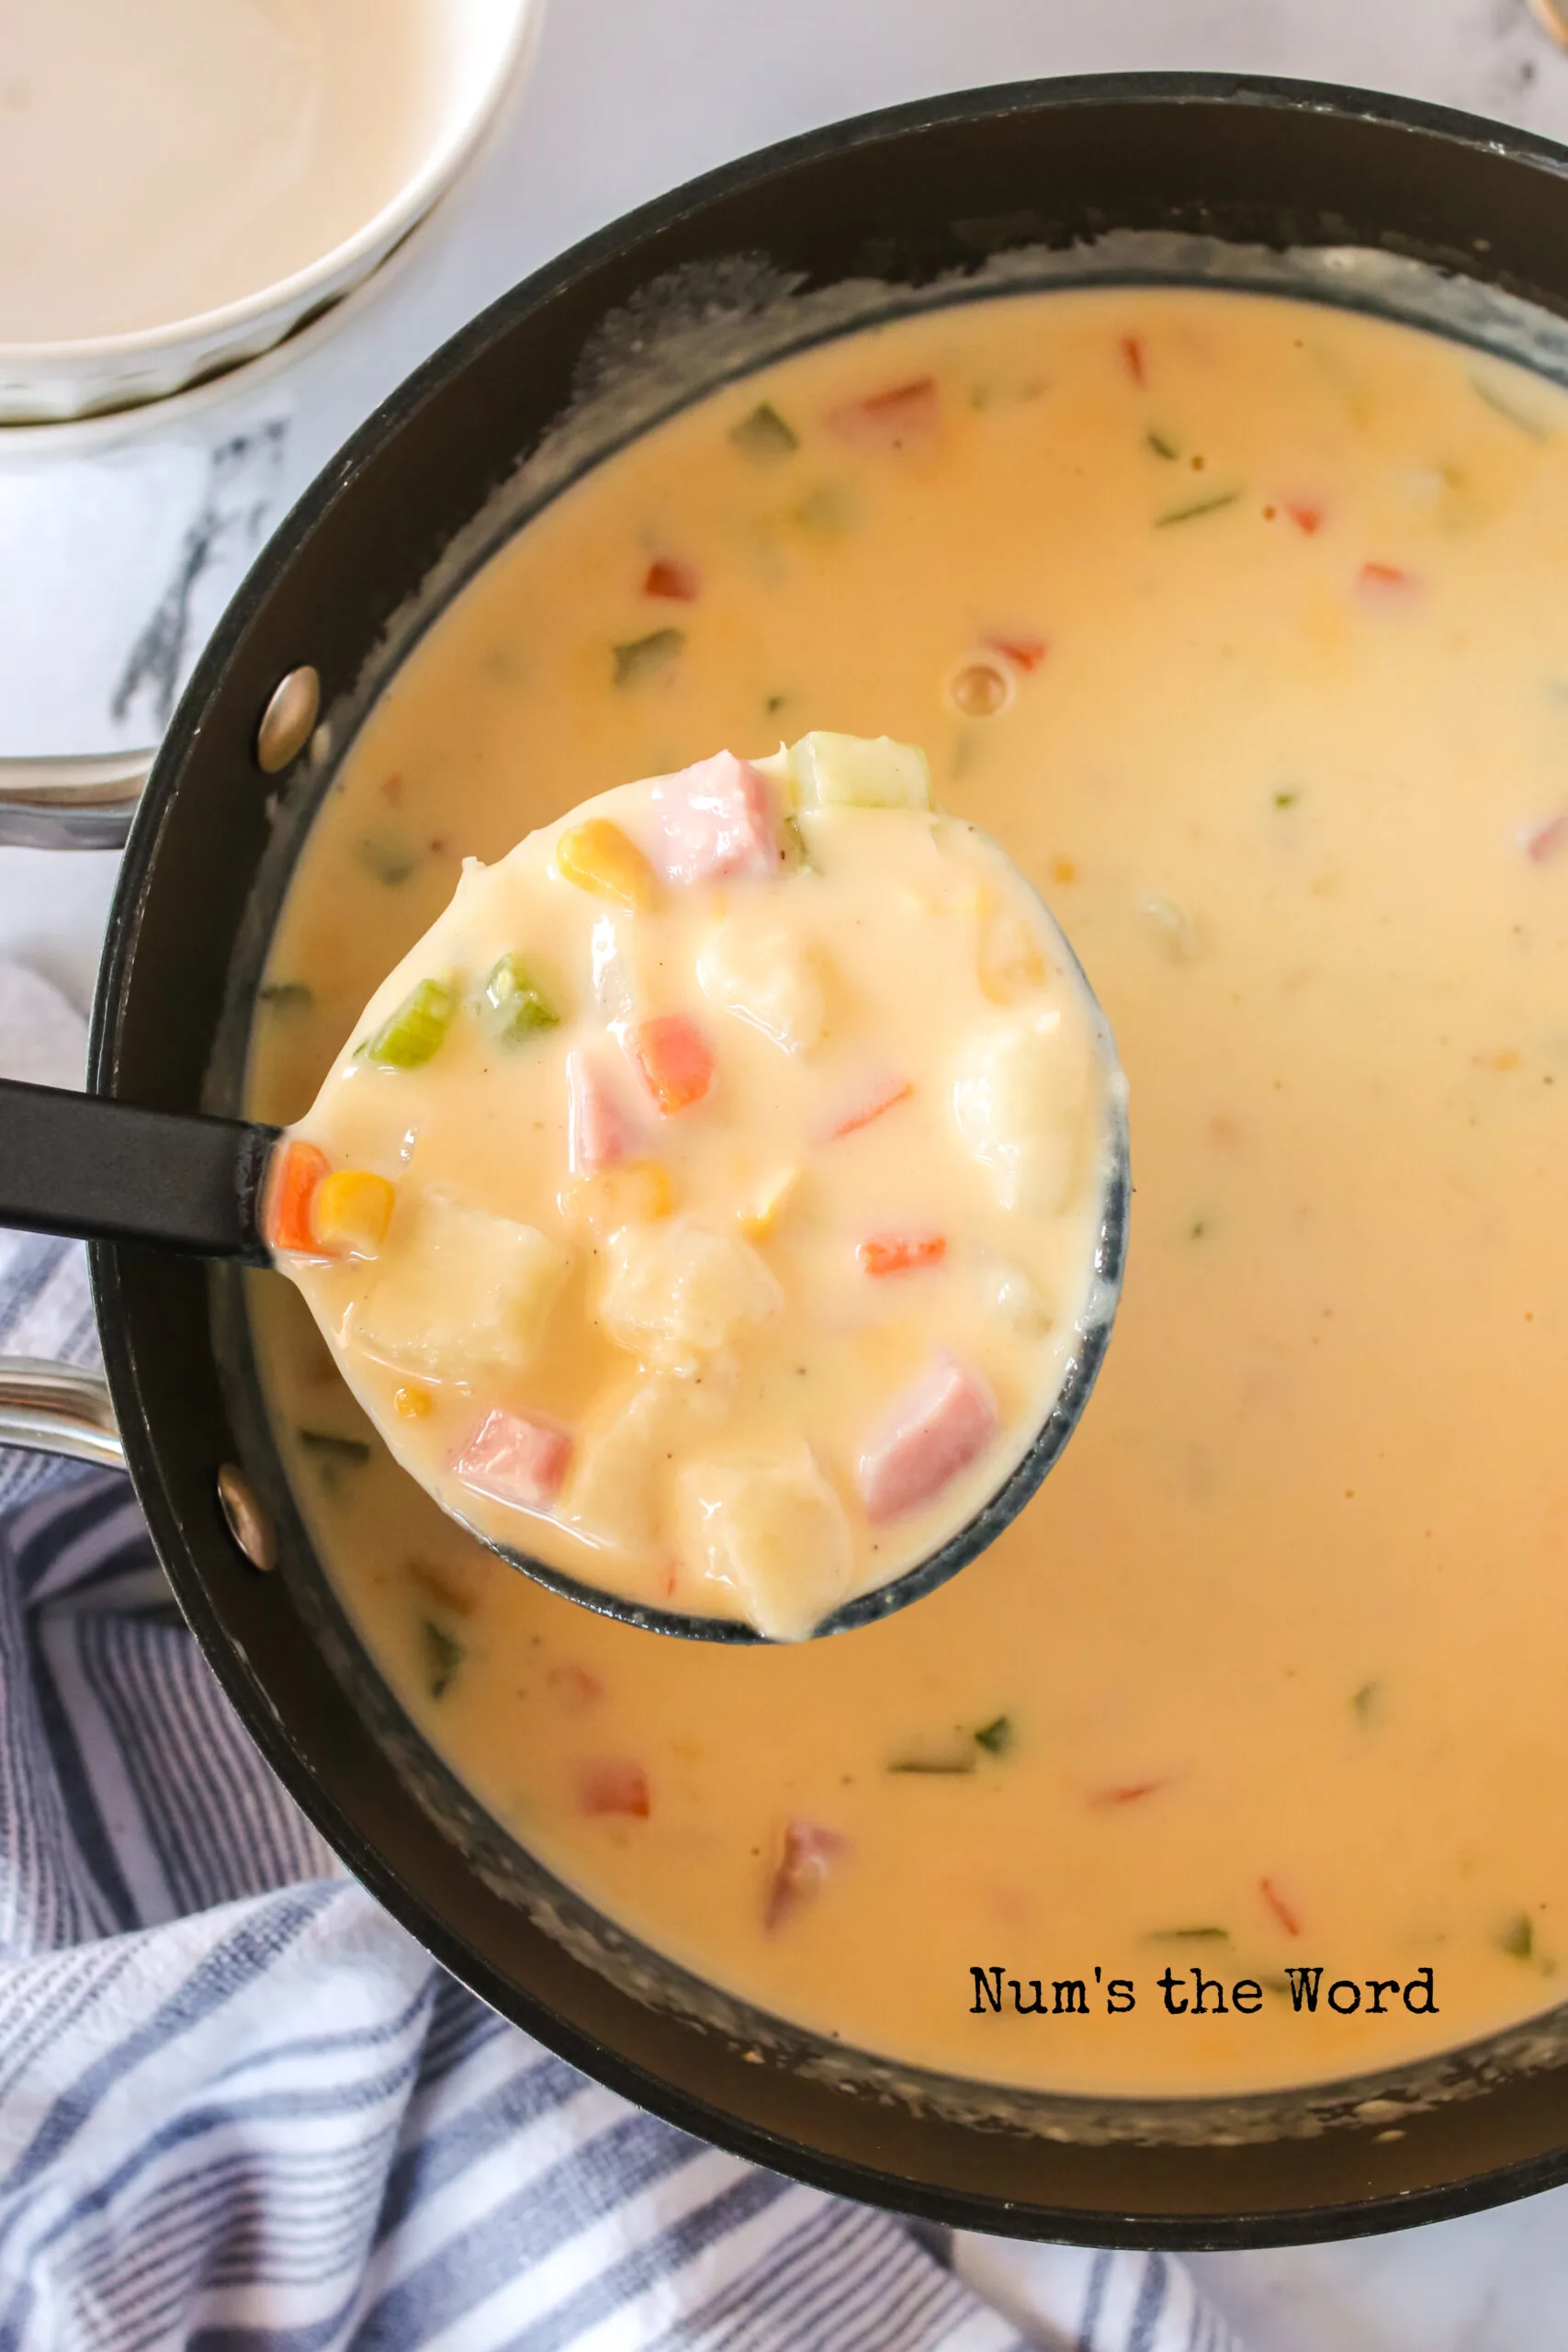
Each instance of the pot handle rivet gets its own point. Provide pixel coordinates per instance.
(286, 721)
(244, 1518)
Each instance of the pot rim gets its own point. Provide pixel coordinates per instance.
(1491, 2182)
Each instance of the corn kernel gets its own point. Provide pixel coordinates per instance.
(411, 1403)
(351, 1211)
(762, 1213)
(637, 1193)
(598, 856)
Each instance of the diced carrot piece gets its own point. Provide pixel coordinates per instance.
(1543, 841)
(296, 1176)
(614, 1785)
(891, 420)
(934, 1431)
(667, 576)
(1384, 583)
(519, 1459)
(1023, 653)
(884, 1096)
(676, 1059)
(351, 1211)
(597, 856)
(808, 1849)
(1133, 356)
(1128, 1792)
(901, 1253)
(1280, 1907)
(1305, 517)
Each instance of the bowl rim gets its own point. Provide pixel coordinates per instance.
(352, 255)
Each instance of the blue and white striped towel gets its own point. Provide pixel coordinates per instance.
(241, 2110)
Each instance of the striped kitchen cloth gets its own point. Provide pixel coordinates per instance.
(241, 2110)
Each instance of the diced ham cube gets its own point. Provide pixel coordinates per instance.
(576, 1687)
(519, 1459)
(808, 1851)
(715, 818)
(1544, 840)
(599, 1135)
(936, 1429)
(614, 1785)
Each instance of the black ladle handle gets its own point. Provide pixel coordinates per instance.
(83, 1165)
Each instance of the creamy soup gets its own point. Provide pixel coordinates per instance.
(1239, 623)
(707, 1205)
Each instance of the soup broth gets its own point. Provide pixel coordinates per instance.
(1238, 623)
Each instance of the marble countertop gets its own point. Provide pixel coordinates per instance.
(121, 541)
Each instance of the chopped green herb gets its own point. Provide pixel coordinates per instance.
(1189, 1936)
(995, 1737)
(646, 658)
(828, 510)
(331, 1448)
(772, 704)
(1502, 406)
(763, 435)
(390, 860)
(1287, 799)
(1199, 506)
(287, 996)
(514, 1007)
(1366, 1702)
(1199, 1229)
(1162, 448)
(1517, 1939)
(443, 1656)
(956, 1761)
(412, 1034)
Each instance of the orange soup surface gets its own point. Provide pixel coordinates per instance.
(1239, 623)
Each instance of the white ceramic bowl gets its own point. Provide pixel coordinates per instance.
(473, 51)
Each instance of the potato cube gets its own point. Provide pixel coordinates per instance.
(1021, 1102)
(675, 1293)
(767, 977)
(774, 1531)
(859, 772)
(617, 1493)
(457, 1290)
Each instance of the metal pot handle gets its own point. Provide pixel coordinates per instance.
(78, 803)
(55, 1408)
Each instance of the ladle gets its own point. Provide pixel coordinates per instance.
(99, 1169)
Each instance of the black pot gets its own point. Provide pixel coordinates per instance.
(910, 197)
